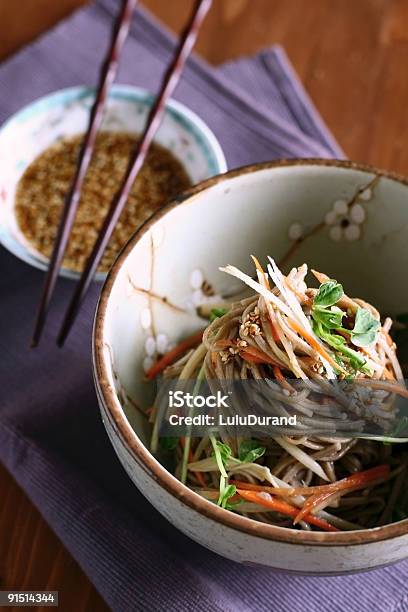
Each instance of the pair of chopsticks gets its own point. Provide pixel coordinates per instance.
(108, 73)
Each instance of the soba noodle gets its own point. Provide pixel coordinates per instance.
(283, 332)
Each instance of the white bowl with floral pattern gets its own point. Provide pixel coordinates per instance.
(296, 211)
(66, 113)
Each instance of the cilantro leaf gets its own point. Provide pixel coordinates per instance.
(365, 328)
(250, 451)
(216, 313)
(329, 293)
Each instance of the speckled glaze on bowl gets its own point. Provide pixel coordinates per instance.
(65, 113)
(149, 298)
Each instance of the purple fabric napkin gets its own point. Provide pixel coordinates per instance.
(51, 435)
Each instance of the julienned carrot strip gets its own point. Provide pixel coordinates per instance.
(315, 344)
(274, 333)
(359, 478)
(172, 355)
(265, 282)
(198, 475)
(281, 379)
(251, 351)
(310, 504)
(253, 487)
(278, 374)
(258, 266)
(284, 508)
(259, 359)
(355, 481)
(388, 375)
(251, 358)
(301, 296)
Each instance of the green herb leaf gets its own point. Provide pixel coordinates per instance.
(365, 328)
(233, 505)
(329, 317)
(216, 313)
(329, 293)
(228, 492)
(168, 443)
(224, 450)
(356, 361)
(250, 451)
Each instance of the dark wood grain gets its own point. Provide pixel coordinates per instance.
(352, 58)
(32, 557)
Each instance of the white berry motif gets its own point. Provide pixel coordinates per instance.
(155, 346)
(295, 231)
(344, 220)
(201, 290)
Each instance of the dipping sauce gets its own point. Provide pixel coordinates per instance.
(42, 189)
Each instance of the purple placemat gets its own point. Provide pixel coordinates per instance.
(51, 436)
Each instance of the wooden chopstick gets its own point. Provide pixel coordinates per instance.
(107, 76)
(154, 119)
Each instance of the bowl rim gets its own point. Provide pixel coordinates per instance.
(183, 114)
(140, 452)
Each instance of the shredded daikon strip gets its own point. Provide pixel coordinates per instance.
(278, 303)
(266, 293)
(277, 277)
(260, 472)
(297, 370)
(302, 457)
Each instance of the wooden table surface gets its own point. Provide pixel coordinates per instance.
(352, 58)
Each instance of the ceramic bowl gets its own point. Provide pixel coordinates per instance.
(65, 113)
(170, 265)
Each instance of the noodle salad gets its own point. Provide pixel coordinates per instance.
(287, 331)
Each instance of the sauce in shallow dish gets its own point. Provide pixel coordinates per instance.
(43, 187)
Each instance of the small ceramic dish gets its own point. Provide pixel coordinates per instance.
(65, 113)
(290, 208)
